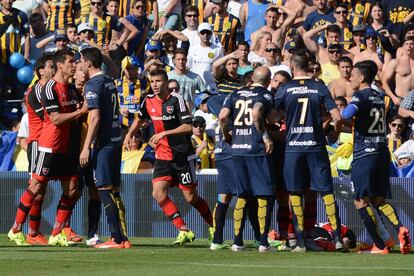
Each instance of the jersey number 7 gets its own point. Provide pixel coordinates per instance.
(304, 102)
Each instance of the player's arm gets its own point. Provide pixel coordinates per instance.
(310, 42)
(330, 104)
(168, 10)
(259, 123)
(131, 31)
(94, 119)
(136, 124)
(388, 75)
(223, 120)
(243, 15)
(291, 16)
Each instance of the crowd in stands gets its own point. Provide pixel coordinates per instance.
(208, 48)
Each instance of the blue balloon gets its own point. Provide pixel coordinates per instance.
(17, 60)
(25, 74)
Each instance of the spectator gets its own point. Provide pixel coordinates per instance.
(341, 20)
(273, 59)
(320, 17)
(330, 69)
(225, 73)
(252, 14)
(60, 14)
(170, 39)
(203, 144)
(256, 55)
(358, 35)
(315, 70)
(404, 159)
(341, 87)
(138, 18)
(39, 32)
(279, 78)
(244, 64)
(112, 7)
(169, 12)
(395, 138)
(201, 104)
(139, 158)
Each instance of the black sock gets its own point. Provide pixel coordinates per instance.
(94, 215)
(369, 223)
(220, 218)
(112, 214)
(252, 206)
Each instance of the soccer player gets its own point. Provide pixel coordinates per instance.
(175, 159)
(104, 132)
(306, 159)
(44, 70)
(370, 166)
(247, 108)
(56, 158)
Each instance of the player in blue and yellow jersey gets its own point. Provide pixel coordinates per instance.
(104, 133)
(61, 13)
(306, 159)
(247, 108)
(371, 163)
(131, 90)
(226, 27)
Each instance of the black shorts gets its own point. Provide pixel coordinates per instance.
(55, 166)
(32, 152)
(178, 172)
(86, 177)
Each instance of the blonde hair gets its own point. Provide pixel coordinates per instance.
(259, 37)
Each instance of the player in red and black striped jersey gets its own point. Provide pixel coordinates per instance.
(54, 160)
(174, 153)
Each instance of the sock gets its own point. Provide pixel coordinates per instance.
(252, 210)
(35, 216)
(170, 210)
(368, 218)
(297, 216)
(202, 207)
(122, 217)
(333, 214)
(94, 214)
(264, 213)
(26, 201)
(309, 216)
(283, 221)
(219, 220)
(389, 212)
(112, 214)
(239, 217)
(64, 211)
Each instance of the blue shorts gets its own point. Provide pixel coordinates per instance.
(370, 176)
(252, 175)
(307, 170)
(106, 165)
(86, 177)
(225, 179)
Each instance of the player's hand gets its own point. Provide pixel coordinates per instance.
(84, 108)
(124, 111)
(127, 141)
(84, 157)
(157, 137)
(396, 101)
(268, 144)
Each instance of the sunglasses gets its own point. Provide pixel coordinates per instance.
(173, 89)
(341, 12)
(205, 32)
(138, 7)
(192, 15)
(96, 3)
(396, 125)
(199, 125)
(273, 50)
(334, 51)
(315, 69)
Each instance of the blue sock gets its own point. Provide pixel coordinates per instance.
(220, 218)
(370, 224)
(111, 211)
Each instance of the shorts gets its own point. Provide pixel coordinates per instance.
(225, 178)
(307, 170)
(32, 152)
(106, 165)
(278, 159)
(253, 176)
(55, 166)
(178, 172)
(86, 177)
(370, 176)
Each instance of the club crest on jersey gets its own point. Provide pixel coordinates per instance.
(91, 95)
(45, 171)
(210, 55)
(170, 109)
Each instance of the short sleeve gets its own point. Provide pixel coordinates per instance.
(142, 112)
(307, 23)
(92, 96)
(34, 100)
(279, 99)
(116, 24)
(181, 110)
(357, 100)
(50, 99)
(228, 101)
(24, 127)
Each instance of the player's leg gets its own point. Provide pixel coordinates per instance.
(94, 215)
(34, 237)
(192, 197)
(252, 214)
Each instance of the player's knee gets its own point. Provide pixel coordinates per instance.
(224, 198)
(361, 203)
(159, 195)
(93, 193)
(191, 196)
(37, 187)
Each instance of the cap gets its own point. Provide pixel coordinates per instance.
(335, 46)
(153, 45)
(84, 27)
(370, 32)
(359, 28)
(290, 45)
(199, 119)
(405, 154)
(128, 61)
(200, 98)
(205, 26)
(60, 34)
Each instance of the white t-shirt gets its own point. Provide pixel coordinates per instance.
(194, 39)
(25, 6)
(281, 67)
(163, 4)
(407, 147)
(255, 58)
(233, 7)
(24, 127)
(200, 61)
(211, 122)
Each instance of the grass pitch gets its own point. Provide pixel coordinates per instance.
(151, 256)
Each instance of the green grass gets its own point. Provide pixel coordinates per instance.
(150, 256)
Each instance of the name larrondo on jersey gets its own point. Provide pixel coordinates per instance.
(101, 93)
(246, 140)
(303, 99)
(370, 132)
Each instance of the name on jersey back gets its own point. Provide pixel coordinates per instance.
(301, 90)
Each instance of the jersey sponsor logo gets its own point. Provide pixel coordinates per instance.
(91, 95)
(303, 143)
(246, 93)
(153, 110)
(241, 146)
(45, 171)
(268, 97)
(163, 118)
(169, 109)
(301, 90)
(355, 99)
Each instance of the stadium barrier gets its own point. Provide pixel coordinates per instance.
(145, 218)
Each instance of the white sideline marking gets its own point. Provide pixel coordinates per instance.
(222, 265)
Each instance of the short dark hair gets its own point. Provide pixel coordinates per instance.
(284, 74)
(158, 73)
(190, 8)
(340, 5)
(34, 16)
(408, 38)
(174, 80)
(181, 51)
(341, 99)
(345, 59)
(41, 62)
(272, 9)
(244, 43)
(368, 69)
(301, 60)
(60, 56)
(333, 29)
(93, 55)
